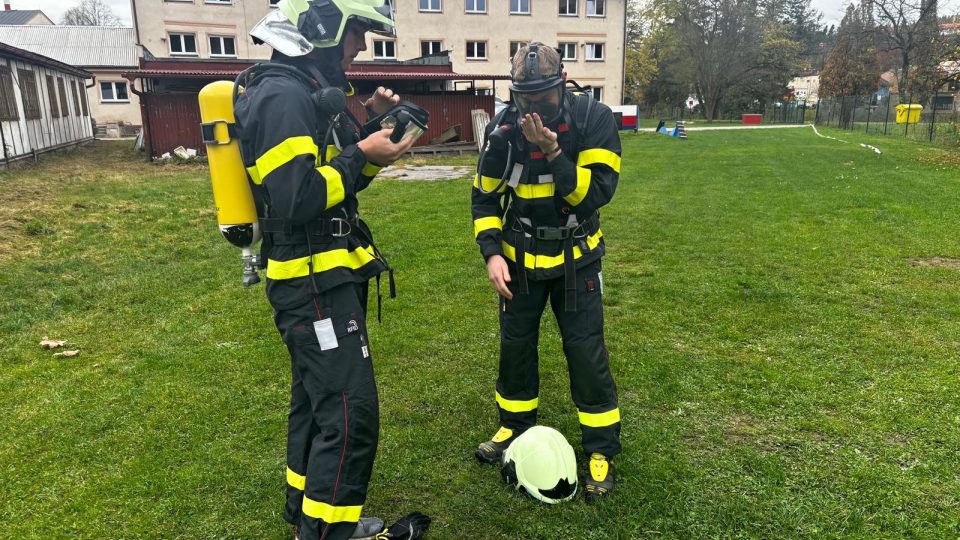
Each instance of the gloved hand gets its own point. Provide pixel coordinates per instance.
(410, 527)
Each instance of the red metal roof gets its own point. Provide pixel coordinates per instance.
(352, 75)
(219, 69)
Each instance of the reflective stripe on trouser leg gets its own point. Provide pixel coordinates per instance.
(519, 382)
(301, 429)
(343, 403)
(591, 383)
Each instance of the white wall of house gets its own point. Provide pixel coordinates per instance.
(111, 101)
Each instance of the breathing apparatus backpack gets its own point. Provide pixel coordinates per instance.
(235, 200)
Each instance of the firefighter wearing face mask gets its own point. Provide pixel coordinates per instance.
(552, 160)
(307, 162)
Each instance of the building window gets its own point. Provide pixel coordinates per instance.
(76, 98)
(31, 99)
(62, 89)
(597, 92)
(8, 100)
(476, 50)
(430, 48)
(476, 6)
(384, 48)
(185, 44)
(515, 46)
(568, 52)
(113, 92)
(429, 5)
(227, 2)
(52, 94)
(222, 46)
(596, 8)
(594, 52)
(519, 7)
(568, 7)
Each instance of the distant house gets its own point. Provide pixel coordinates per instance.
(42, 104)
(23, 16)
(106, 52)
(806, 88)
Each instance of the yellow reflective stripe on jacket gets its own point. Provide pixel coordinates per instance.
(370, 169)
(254, 174)
(583, 185)
(329, 513)
(603, 156)
(489, 183)
(534, 191)
(604, 419)
(512, 405)
(328, 260)
(283, 153)
(484, 223)
(335, 190)
(331, 152)
(533, 261)
(296, 480)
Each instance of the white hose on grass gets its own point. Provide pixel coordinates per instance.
(871, 147)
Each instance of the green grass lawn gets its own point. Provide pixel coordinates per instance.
(783, 317)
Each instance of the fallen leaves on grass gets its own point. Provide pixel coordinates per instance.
(66, 354)
(941, 262)
(48, 343)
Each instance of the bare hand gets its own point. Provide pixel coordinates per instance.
(538, 134)
(499, 274)
(382, 100)
(381, 151)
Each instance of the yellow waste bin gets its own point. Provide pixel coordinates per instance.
(909, 113)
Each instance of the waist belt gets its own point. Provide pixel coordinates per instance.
(570, 236)
(282, 233)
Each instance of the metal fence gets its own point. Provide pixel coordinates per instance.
(938, 122)
(786, 112)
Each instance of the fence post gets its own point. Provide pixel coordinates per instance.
(816, 117)
(906, 125)
(869, 110)
(886, 115)
(933, 112)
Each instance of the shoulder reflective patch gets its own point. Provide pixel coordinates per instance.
(593, 156)
(533, 261)
(284, 153)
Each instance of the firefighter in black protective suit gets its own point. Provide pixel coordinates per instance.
(307, 162)
(552, 159)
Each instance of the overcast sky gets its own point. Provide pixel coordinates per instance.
(832, 9)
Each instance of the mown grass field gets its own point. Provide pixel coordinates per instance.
(783, 316)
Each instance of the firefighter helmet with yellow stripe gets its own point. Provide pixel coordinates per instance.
(296, 27)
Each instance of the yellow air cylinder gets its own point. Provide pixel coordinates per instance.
(236, 211)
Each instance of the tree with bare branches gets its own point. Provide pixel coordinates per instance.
(911, 31)
(90, 13)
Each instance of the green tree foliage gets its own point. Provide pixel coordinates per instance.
(852, 68)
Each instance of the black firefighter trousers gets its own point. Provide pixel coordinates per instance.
(591, 384)
(334, 412)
